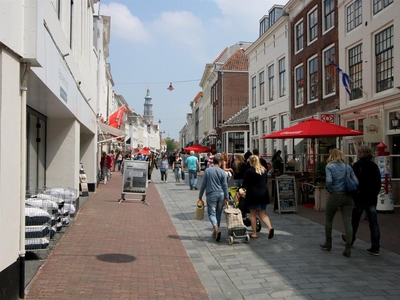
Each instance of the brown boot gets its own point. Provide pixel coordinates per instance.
(327, 245)
(347, 250)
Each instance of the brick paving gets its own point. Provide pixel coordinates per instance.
(134, 251)
(119, 251)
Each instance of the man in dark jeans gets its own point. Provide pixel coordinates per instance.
(369, 179)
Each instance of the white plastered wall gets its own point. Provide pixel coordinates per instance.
(10, 157)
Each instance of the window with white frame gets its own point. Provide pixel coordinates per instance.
(273, 124)
(264, 126)
(284, 121)
(381, 4)
(329, 14)
(355, 71)
(354, 15)
(329, 71)
(384, 59)
(313, 79)
(262, 87)
(299, 88)
(299, 36)
(253, 91)
(282, 77)
(313, 25)
(256, 127)
(271, 83)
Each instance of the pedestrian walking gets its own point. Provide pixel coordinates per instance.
(369, 185)
(257, 196)
(224, 165)
(150, 166)
(105, 166)
(164, 163)
(210, 158)
(193, 166)
(239, 169)
(118, 160)
(215, 186)
(277, 163)
(336, 172)
(177, 167)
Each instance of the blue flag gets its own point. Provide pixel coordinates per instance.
(345, 79)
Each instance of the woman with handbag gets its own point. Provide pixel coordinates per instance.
(164, 163)
(257, 196)
(337, 173)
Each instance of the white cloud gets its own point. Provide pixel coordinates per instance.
(183, 29)
(243, 14)
(123, 24)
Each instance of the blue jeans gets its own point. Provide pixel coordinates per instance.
(177, 174)
(373, 224)
(192, 178)
(215, 206)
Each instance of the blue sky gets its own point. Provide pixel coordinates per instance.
(155, 42)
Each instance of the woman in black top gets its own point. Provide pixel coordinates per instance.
(257, 198)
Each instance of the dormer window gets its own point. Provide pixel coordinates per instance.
(264, 24)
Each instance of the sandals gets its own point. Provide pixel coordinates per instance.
(253, 236)
(271, 234)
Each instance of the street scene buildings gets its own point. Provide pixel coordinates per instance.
(333, 60)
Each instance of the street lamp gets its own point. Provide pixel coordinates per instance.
(395, 121)
(219, 146)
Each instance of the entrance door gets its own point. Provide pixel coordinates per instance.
(36, 151)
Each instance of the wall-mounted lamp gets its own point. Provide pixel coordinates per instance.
(395, 121)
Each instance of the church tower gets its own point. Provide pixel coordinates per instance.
(148, 108)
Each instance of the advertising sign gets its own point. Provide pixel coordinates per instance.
(135, 177)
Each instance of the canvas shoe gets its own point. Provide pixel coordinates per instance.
(373, 252)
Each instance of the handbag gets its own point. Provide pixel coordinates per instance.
(351, 186)
(199, 212)
(183, 175)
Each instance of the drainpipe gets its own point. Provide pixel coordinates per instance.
(21, 252)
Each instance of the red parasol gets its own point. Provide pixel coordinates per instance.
(313, 128)
(144, 151)
(197, 148)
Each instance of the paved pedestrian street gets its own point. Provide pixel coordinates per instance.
(134, 251)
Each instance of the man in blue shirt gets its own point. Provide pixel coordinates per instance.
(193, 166)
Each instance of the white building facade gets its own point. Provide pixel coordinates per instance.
(269, 62)
(50, 95)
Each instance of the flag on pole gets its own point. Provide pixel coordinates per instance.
(115, 119)
(345, 79)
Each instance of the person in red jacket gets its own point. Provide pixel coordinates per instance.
(105, 165)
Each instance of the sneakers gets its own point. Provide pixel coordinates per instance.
(191, 188)
(195, 187)
(373, 252)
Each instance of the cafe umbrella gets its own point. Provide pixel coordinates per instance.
(197, 148)
(313, 128)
